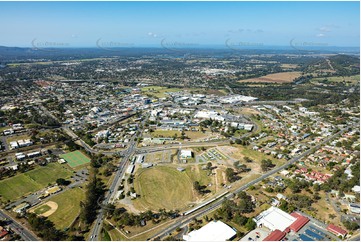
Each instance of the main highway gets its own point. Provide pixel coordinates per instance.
(110, 195)
(203, 211)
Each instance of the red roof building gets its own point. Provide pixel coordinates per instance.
(336, 230)
(3, 233)
(299, 223)
(276, 235)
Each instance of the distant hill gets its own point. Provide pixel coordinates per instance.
(337, 65)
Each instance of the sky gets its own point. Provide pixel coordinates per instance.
(178, 24)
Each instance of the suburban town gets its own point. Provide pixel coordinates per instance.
(179, 144)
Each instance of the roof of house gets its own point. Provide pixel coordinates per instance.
(336, 229)
(299, 223)
(276, 235)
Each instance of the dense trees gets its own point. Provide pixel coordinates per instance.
(62, 182)
(94, 194)
(234, 210)
(44, 228)
(231, 175)
(266, 164)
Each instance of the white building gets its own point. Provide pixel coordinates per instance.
(130, 169)
(274, 218)
(186, 154)
(213, 231)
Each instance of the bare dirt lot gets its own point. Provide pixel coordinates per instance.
(281, 77)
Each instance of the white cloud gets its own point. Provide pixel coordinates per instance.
(320, 35)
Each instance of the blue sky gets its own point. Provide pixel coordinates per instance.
(117, 24)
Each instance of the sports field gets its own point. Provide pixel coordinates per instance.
(68, 207)
(31, 181)
(42, 209)
(75, 158)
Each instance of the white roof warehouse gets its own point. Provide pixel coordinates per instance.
(213, 231)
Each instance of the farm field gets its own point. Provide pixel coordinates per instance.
(281, 77)
(75, 158)
(31, 181)
(352, 79)
(166, 187)
(68, 207)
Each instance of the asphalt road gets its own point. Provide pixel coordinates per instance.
(115, 184)
(18, 228)
(203, 211)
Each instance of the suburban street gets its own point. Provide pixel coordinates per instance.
(18, 228)
(203, 211)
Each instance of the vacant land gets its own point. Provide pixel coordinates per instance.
(157, 91)
(75, 158)
(194, 135)
(162, 187)
(281, 77)
(68, 207)
(165, 133)
(31, 181)
(17, 137)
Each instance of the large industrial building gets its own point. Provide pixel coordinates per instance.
(213, 231)
(274, 219)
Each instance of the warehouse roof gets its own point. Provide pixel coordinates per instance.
(274, 218)
(213, 231)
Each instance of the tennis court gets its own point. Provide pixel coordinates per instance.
(75, 158)
(305, 238)
(314, 235)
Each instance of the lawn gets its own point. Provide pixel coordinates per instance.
(75, 158)
(17, 137)
(165, 133)
(48, 174)
(105, 235)
(68, 207)
(42, 209)
(162, 187)
(196, 134)
(4, 128)
(258, 156)
(31, 181)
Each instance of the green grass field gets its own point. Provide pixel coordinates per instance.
(166, 187)
(162, 187)
(165, 133)
(31, 181)
(352, 79)
(42, 209)
(75, 158)
(68, 207)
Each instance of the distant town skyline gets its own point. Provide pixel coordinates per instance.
(179, 24)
